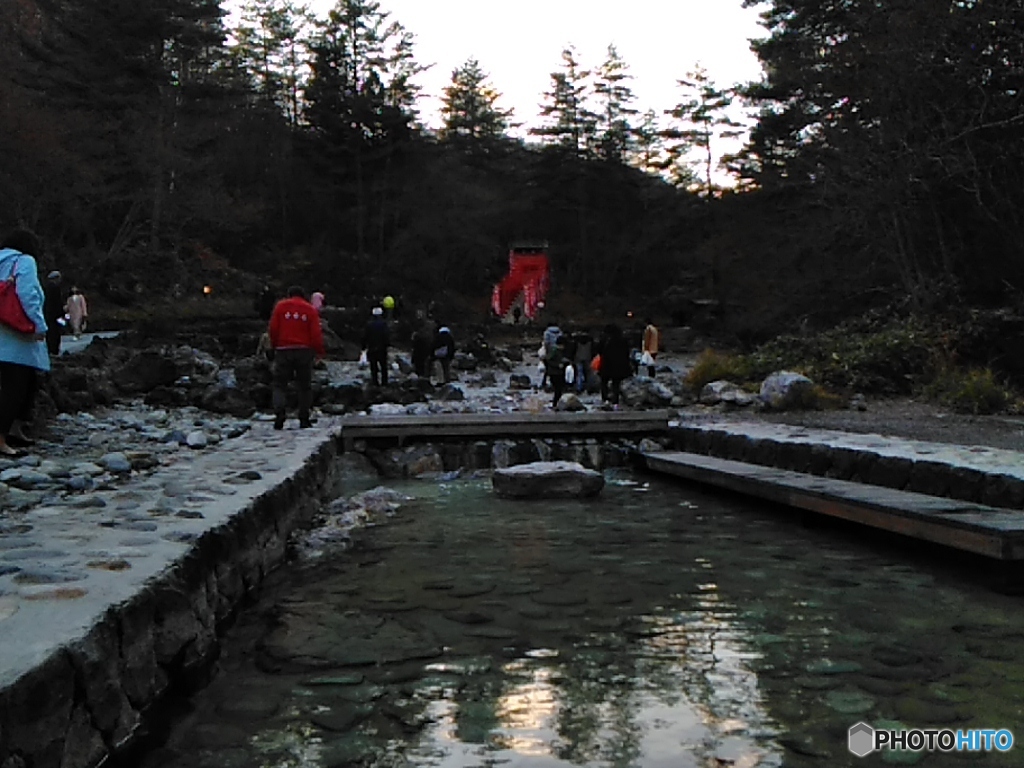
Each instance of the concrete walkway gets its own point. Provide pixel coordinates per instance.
(105, 597)
(977, 474)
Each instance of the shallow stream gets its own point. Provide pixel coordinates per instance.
(654, 627)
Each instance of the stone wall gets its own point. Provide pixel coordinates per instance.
(89, 698)
(422, 459)
(883, 467)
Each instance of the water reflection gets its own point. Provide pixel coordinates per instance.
(652, 627)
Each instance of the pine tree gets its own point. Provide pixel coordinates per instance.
(702, 119)
(359, 105)
(615, 134)
(272, 49)
(470, 108)
(571, 124)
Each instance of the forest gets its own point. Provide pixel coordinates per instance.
(145, 140)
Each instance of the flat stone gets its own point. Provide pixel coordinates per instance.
(547, 480)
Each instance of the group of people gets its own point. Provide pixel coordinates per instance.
(572, 359)
(26, 354)
(295, 335)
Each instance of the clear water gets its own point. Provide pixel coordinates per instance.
(656, 626)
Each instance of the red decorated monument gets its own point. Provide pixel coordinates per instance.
(526, 283)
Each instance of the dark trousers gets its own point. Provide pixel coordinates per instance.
(53, 334)
(17, 391)
(293, 365)
(378, 366)
(557, 386)
(611, 389)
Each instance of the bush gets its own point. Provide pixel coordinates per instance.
(713, 366)
(974, 390)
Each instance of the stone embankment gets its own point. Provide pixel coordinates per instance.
(113, 593)
(978, 474)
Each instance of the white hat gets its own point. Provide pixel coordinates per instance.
(55, 275)
(378, 311)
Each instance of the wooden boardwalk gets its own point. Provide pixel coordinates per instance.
(988, 531)
(500, 425)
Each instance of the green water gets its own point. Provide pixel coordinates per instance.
(656, 626)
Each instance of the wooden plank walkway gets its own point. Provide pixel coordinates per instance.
(499, 425)
(988, 531)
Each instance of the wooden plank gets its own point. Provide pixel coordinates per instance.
(988, 531)
(498, 425)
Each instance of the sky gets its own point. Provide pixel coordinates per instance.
(519, 44)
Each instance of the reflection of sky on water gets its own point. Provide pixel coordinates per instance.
(684, 695)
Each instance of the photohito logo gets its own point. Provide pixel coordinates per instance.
(862, 739)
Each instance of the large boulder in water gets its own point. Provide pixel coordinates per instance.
(547, 480)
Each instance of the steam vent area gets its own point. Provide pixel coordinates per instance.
(117, 599)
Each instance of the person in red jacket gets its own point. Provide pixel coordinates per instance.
(297, 340)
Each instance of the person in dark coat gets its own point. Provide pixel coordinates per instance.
(556, 358)
(422, 345)
(376, 340)
(615, 363)
(53, 311)
(265, 302)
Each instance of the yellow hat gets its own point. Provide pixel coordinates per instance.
(388, 302)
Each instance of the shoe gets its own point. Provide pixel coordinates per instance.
(279, 422)
(7, 452)
(305, 423)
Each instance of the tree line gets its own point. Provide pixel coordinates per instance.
(141, 137)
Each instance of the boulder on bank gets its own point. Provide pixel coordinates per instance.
(547, 480)
(785, 390)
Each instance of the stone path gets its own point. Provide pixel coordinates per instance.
(83, 526)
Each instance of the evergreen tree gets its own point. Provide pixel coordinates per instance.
(614, 132)
(902, 118)
(272, 49)
(571, 124)
(470, 108)
(360, 96)
(702, 118)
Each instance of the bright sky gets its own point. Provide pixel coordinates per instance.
(519, 44)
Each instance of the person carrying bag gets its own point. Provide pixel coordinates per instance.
(23, 349)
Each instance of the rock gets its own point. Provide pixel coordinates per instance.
(450, 393)
(116, 462)
(641, 392)
(570, 402)
(547, 480)
(519, 381)
(715, 392)
(784, 390)
(197, 439)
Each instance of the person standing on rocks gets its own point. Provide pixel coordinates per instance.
(422, 344)
(556, 358)
(376, 340)
(444, 351)
(649, 347)
(21, 354)
(53, 311)
(615, 363)
(297, 340)
(78, 312)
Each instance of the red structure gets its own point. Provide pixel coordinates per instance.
(526, 283)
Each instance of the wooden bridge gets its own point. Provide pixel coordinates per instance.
(478, 426)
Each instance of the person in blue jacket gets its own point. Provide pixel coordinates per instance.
(21, 354)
